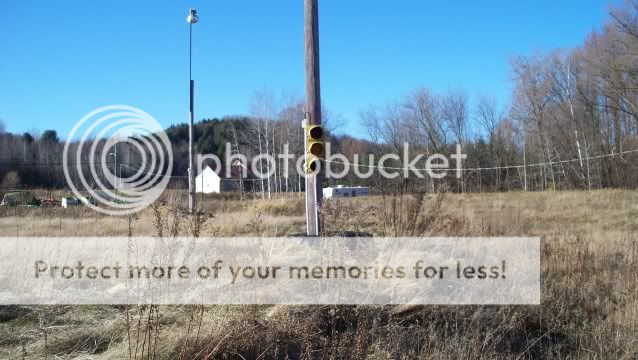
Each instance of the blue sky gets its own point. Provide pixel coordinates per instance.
(61, 59)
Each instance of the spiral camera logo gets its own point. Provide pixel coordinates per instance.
(117, 160)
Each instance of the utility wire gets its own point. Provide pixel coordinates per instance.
(151, 173)
(350, 164)
(56, 164)
(484, 168)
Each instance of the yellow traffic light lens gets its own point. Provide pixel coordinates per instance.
(316, 149)
(315, 132)
(311, 166)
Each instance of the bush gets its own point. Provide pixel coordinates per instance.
(11, 180)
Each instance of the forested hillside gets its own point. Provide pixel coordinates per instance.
(572, 124)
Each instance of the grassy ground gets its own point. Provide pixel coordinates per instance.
(589, 285)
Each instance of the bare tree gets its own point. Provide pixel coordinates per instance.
(454, 112)
(532, 97)
(263, 108)
(424, 113)
(385, 125)
(487, 114)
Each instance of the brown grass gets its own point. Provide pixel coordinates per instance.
(589, 285)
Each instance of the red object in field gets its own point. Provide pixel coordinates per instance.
(51, 202)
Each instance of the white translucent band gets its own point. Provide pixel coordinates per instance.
(270, 271)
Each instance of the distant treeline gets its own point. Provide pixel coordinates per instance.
(579, 104)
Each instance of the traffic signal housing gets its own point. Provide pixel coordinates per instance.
(315, 147)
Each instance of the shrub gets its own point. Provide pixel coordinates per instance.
(11, 180)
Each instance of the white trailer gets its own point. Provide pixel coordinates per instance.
(345, 191)
(69, 201)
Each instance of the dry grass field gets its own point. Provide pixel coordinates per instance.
(589, 285)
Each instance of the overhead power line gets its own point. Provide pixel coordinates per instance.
(349, 164)
(152, 173)
(484, 168)
(56, 164)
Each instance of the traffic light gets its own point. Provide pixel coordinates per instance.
(314, 147)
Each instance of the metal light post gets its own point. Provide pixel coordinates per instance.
(115, 168)
(192, 19)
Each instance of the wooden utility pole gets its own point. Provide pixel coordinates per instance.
(314, 183)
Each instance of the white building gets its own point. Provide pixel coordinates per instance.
(208, 182)
(344, 191)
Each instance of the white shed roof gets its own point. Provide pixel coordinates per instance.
(208, 173)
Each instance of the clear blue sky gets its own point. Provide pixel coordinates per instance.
(62, 59)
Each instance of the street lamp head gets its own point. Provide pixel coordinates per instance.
(192, 16)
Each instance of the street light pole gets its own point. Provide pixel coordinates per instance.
(192, 19)
(115, 167)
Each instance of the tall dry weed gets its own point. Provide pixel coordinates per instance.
(419, 214)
